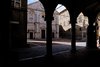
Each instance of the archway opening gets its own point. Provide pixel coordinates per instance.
(36, 28)
(81, 30)
(61, 28)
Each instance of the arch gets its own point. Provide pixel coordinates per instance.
(63, 19)
(82, 19)
(49, 11)
(89, 8)
(37, 19)
(81, 29)
(63, 13)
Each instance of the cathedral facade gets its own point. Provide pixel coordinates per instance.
(36, 24)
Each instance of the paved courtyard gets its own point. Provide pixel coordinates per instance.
(38, 49)
(61, 54)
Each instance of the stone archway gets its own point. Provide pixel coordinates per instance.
(74, 9)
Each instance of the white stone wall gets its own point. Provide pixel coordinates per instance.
(30, 15)
(64, 20)
(30, 26)
(80, 20)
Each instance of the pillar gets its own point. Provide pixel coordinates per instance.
(73, 41)
(91, 32)
(48, 36)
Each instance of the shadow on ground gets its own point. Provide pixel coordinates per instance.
(81, 58)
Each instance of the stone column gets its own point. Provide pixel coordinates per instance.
(49, 35)
(91, 32)
(73, 41)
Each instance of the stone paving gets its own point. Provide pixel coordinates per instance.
(81, 58)
(61, 54)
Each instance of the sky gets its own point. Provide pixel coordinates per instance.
(59, 10)
(30, 1)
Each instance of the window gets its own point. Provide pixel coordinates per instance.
(12, 3)
(16, 3)
(42, 16)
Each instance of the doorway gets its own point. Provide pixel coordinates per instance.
(43, 34)
(31, 35)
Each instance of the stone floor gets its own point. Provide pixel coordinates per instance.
(81, 58)
(62, 57)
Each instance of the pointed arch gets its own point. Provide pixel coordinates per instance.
(80, 18)
(64, 16)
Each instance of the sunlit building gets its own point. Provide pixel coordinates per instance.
(81, 25)
(36, 26)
